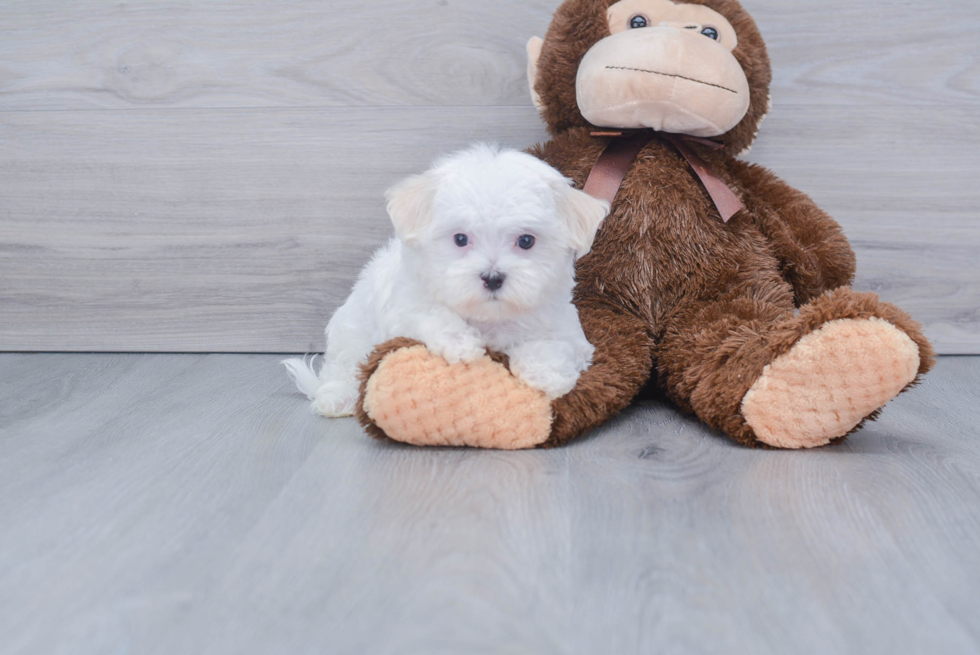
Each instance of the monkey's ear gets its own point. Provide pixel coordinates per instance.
(583, 214)
(533, 54)
(410, 205)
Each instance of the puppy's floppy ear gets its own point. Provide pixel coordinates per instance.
(410, 205)
(582, 214)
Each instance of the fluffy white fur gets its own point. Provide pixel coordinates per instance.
(424, 286)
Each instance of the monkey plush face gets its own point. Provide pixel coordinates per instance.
(665, 66)
(697, 68)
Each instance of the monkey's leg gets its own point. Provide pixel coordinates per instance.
(764, 375)
(414, 397)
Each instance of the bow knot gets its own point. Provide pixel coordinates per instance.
(610, 169)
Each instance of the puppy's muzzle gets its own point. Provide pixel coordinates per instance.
(493, 281)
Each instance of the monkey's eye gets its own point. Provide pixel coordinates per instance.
(638, 21)
(461, 240)
(710, 32)
(525, 242)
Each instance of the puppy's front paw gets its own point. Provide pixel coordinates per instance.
(553, 383)
(551, 367)
(336, 399)
(458, 347)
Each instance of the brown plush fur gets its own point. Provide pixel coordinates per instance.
(669, 290)
(707, 304)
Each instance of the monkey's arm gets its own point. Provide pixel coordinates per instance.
(813, 253)
(621, 365)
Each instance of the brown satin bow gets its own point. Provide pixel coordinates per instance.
(610, 169)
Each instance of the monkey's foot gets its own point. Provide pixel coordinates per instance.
(412, 396)
(830, 381)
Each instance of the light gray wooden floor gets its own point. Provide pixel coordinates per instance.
(192, 504)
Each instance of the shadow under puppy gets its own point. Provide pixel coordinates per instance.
(483, 257)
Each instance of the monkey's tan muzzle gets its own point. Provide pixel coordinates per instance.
(664, 78)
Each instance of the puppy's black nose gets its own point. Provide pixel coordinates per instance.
(493, 281)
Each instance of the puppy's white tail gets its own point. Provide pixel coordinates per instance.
(302, 373)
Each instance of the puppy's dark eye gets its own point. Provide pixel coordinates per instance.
(526, 242)
(461, 240)
(710, 32)
(638, 21)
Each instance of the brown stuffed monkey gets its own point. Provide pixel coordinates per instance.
(750, 324)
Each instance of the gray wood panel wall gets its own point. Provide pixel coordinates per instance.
(208, 176)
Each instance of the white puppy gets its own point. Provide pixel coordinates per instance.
(484, 256)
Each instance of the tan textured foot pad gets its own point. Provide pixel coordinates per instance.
(829, 382)
(418, 398)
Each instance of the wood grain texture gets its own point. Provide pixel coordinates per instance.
(187, 176)
(102, 54)
(192, 503)
(242, 230)
(235, 230)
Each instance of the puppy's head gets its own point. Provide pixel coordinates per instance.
(494, 233)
